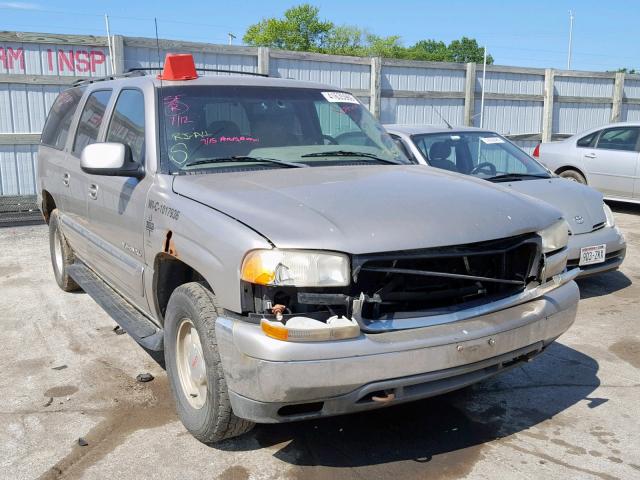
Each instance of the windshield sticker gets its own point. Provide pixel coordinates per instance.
(455, 137)
(339, 97)
(491, 140)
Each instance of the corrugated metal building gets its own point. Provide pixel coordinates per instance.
(526, 104)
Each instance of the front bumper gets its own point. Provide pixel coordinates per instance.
(616, 248)
(275, 381)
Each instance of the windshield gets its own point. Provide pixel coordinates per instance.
(253, 126)
(481, 154)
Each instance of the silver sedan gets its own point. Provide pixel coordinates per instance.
(595, 245)
(606, 158)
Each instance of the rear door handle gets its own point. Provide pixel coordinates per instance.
(590, 155)
(93, 191)
(65, 179)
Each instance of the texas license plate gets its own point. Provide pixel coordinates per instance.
(593, 254)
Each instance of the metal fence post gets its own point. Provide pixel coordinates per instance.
(547, 110)
(118, 53)
(618, 94)
(263, 60)
(376, 89)
(469, 94)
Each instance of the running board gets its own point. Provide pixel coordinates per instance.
(137, 325)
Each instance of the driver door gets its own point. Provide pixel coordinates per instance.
(117, 205)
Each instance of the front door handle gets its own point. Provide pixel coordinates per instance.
(65, 179)
(93, 191)
(590, 155)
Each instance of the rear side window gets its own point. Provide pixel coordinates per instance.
(622, 138)
(91, 120)
(127, 123)
(588, 140)
(56, 128)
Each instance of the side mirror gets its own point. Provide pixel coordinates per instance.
(111, 159)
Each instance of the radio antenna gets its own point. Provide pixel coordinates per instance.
(155, 21)
(435, 109)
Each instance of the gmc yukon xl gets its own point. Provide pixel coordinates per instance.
(269, 236)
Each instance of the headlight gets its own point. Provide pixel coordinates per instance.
(296, 268)
(555, 237)
(608, 214)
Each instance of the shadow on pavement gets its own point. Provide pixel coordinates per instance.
(439, 436)
(603, 284)
(623, 207)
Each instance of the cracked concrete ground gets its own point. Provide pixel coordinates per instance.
(571, 413)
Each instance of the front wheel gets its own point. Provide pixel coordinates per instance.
(574, 176)
(194, 367)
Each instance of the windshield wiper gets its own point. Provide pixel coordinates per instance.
(349, 153)
(515, 176)
(245, 158)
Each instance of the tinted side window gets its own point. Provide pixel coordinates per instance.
(622, 138)
(127, 123)
(90, 120)
(588, 140)
(56, 128)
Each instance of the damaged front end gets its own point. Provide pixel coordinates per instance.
(401, 290)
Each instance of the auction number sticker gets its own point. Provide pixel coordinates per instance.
(490, 140)
(339, 97)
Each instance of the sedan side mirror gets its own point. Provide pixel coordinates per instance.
(111, 159)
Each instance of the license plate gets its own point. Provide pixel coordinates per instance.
(591, 255)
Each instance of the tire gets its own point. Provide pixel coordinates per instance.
(205, 410)
(61, 255)
(574, 176)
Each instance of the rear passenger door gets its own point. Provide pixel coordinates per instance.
(612, 162)
(53, 163)
(86, 132)
(116, 205)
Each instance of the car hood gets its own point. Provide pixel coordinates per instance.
(580, 205)
(365, 209)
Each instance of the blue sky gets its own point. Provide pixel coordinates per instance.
(532, 33)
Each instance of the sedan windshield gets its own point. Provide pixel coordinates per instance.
(218, 128)
(482, 154)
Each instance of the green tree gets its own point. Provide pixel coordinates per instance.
(300, 29)
(467, 50)
(430, 50)
(387, 47)
(346, 40)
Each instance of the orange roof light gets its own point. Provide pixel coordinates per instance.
(178, 66)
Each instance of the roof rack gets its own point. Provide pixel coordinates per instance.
(87, 81)
(139, 71)
(217, 70)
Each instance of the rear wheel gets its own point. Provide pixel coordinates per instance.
(194, 367)
(574, 176)
(61, 254)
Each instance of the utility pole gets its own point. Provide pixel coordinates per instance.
(232, 37)
(571, 17)
(484, 77)
(112, 60)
